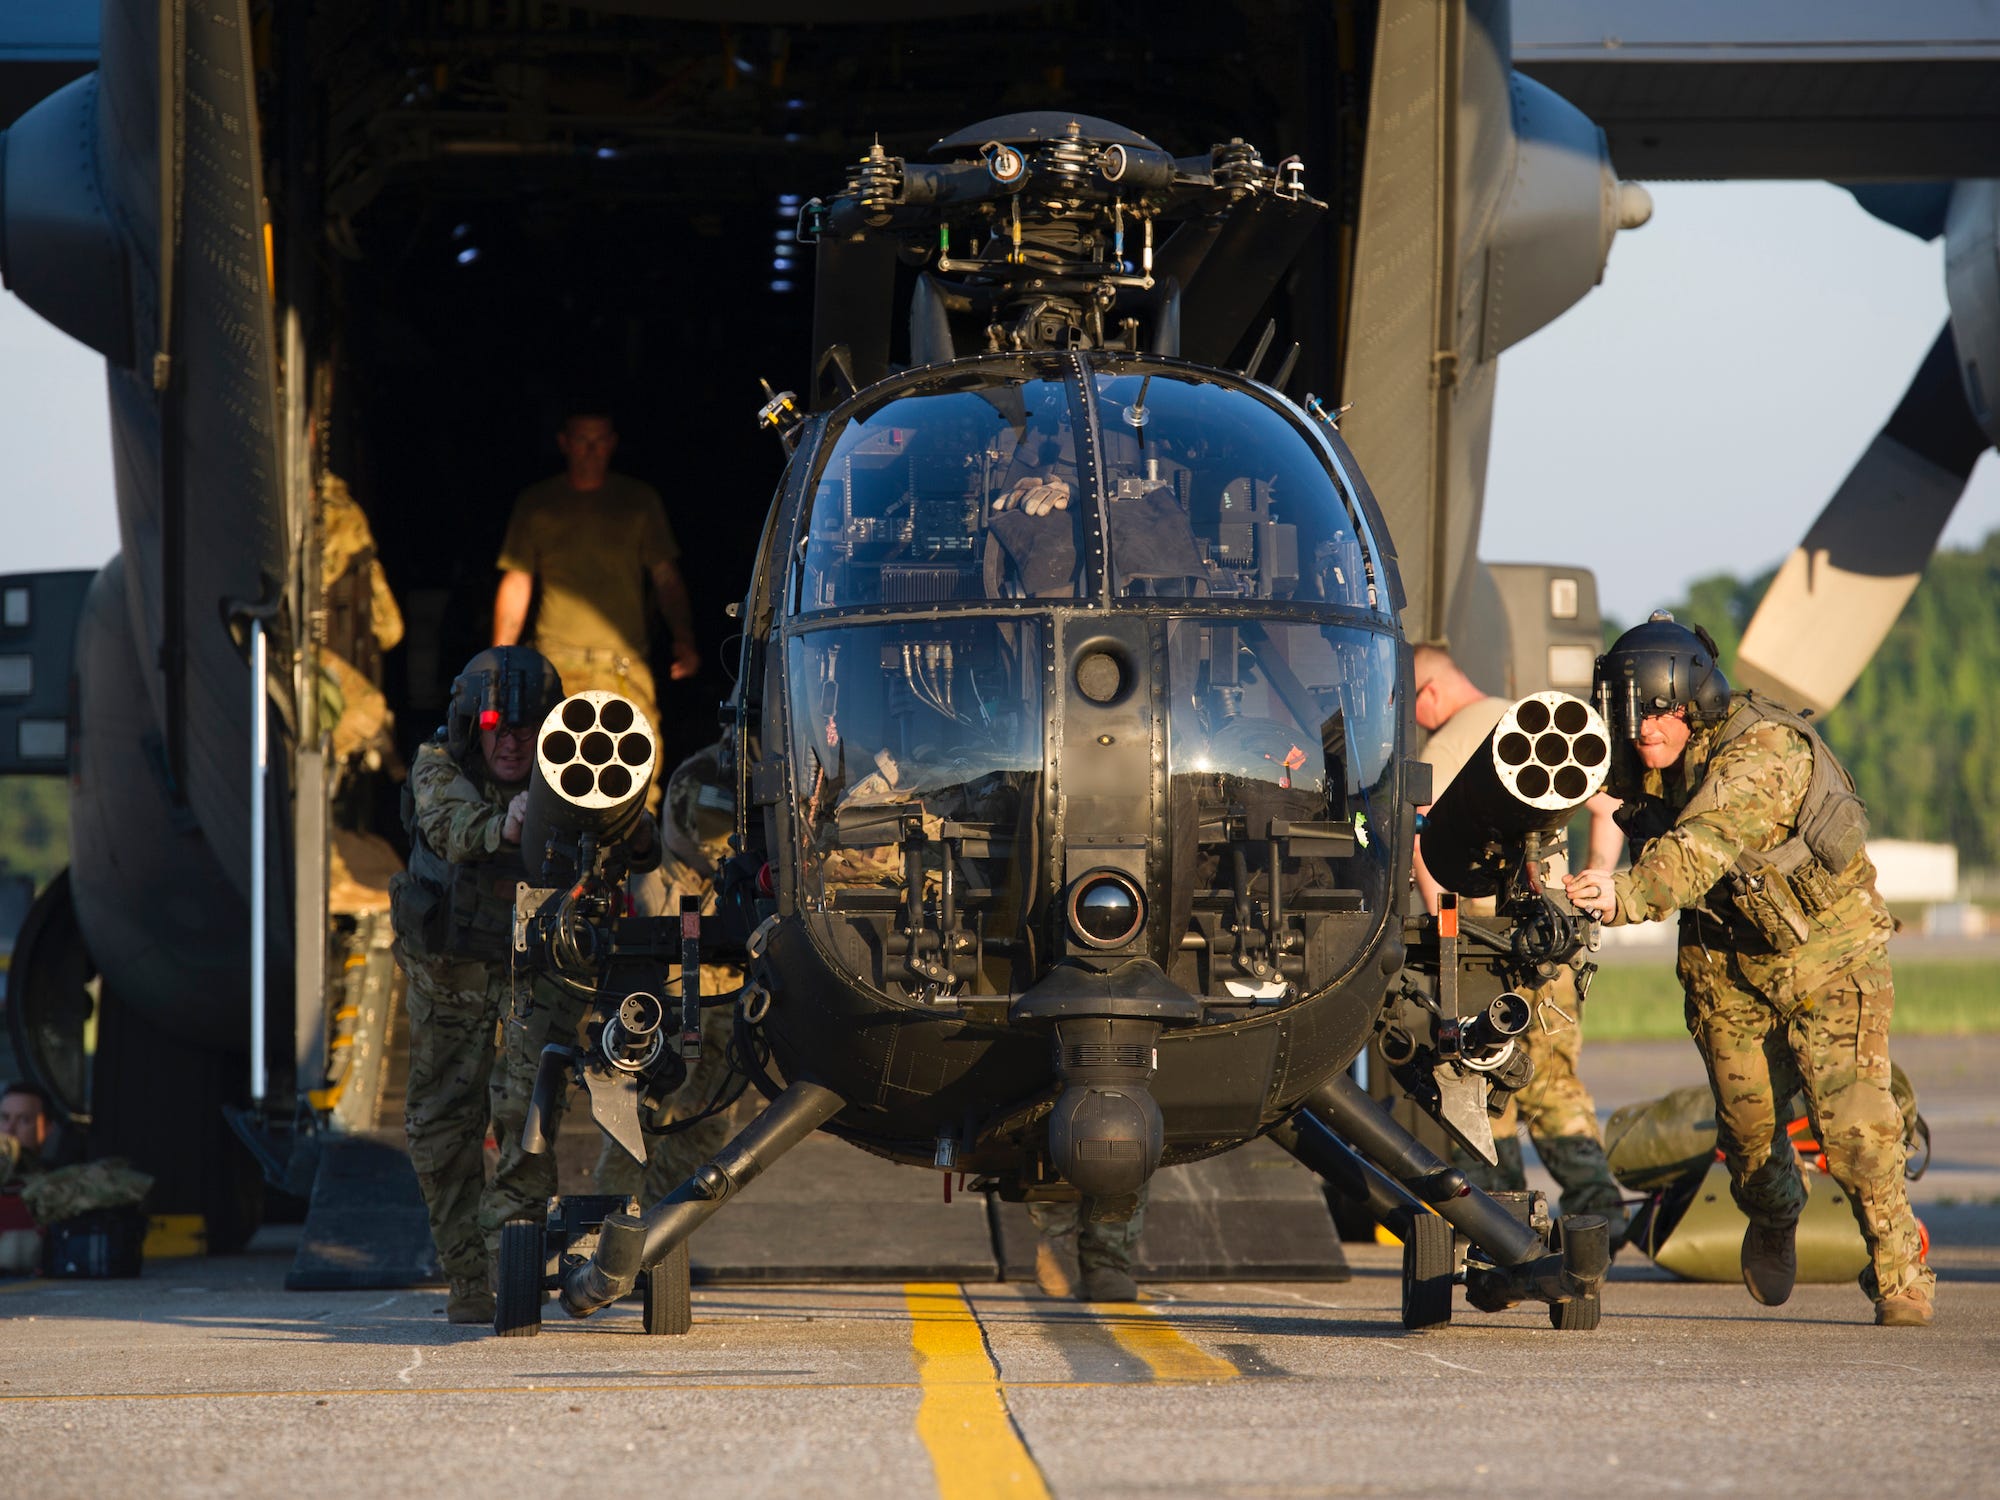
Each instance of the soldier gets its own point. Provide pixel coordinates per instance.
(700, 816)
(1560, 1115)
(1749, 828)
(24, 1129)
(463, 808)
(52, 1194)
(577, 547)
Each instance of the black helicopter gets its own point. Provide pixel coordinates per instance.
(1074, 819)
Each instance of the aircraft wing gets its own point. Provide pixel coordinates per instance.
(1488, 206)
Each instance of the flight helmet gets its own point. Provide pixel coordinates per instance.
(500, 687)
(1657, 667)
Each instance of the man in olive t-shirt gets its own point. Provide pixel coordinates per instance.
(585, 541)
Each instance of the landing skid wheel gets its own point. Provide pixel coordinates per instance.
(517, 1305)
(1429, 1261)
(666, 1294)
(1578, 1315)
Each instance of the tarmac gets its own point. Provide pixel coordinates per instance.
(205, 1377)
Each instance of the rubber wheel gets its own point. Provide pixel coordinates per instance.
(667, 1295)
(517, 1306)
(1429, 1259)
(1578, 1315)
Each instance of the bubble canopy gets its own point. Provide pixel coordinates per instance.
(1027, 479)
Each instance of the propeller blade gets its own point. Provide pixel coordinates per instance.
(1840, 591)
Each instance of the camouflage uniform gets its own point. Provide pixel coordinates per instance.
(455, 1007)
(363, 624)
(1111, 1244)
(1769, 1023)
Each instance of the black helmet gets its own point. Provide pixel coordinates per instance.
(1657, 667)
(500, 687)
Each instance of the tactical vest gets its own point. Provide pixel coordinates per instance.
(447, 910)
(1778, 890)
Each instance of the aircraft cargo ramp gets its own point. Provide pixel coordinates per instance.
(828, 1212)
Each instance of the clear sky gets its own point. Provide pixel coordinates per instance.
(1693, 414)
(1689, 416)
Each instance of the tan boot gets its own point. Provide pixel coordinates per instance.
(1052, 1272)
(471, 1300)
(1913, 1307)
(1770, 1262)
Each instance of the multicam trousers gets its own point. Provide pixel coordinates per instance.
(1098, 1243)
(1834, 1046)
(1560, 1115)
(455, 1090)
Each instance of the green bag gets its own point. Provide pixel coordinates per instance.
(1706, 1242)
(1657, 1142)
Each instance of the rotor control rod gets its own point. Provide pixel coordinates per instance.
(1340, 1105)
(628, 1245)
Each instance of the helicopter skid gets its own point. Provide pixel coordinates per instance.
(1352, 1142)
(628, 1245)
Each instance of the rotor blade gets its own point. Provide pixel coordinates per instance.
(1842, 588)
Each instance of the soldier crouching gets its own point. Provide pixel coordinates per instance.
(453, 915)
(1745, 823)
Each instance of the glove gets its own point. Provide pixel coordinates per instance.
(1036, 496)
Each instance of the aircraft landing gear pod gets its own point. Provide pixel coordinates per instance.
(1074, 820)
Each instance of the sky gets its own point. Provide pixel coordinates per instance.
(1694, 413)
(1690, 416)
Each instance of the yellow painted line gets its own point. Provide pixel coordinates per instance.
(1171, 1356)
(26, 1286)
(975, 1450)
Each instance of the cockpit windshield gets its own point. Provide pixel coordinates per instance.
(1210, 491)
(1281, 741)
(965, 487)
(987, 483)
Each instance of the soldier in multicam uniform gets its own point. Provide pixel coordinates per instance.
(453, 912)
(1747, 825)
(700, 816)
(1560, 1115)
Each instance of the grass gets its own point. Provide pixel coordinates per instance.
(1632, 1002)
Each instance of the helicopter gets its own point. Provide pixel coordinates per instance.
(1075, 823)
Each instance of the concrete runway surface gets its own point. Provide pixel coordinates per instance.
(206, 1378)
